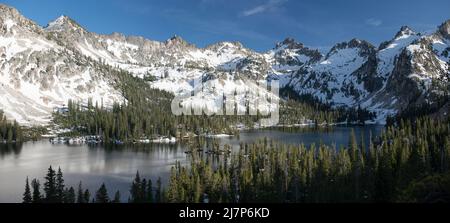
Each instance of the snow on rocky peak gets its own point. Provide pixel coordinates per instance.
(414, 70)
(289, 56)
(177, 41)
(444, 29)
(334, 78)
(37, 74)
(8, 12)
(389, 51)
(404, 32)
(10, 19)
(289, 43)
(59, 61)
(57, 24)
(64, 24)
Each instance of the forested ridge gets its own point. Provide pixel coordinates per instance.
(409, 162)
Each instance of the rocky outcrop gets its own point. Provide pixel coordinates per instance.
(444, 29)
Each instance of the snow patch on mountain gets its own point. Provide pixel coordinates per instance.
(389, 54)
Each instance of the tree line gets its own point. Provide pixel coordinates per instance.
(55, 191)
(297, 108)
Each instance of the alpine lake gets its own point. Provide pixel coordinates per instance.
(117, 165)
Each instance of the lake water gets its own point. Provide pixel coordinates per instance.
(116, 167)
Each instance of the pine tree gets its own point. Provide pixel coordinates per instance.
(136, 189)
(37, 198)
(87, 196)
(353, 146)
(50, 187)
(18, 129)
(27, 194)
(116, 197)
(69, 196)
(197, 190)
(80, 195)
(173, 190)
(102, 195)
(10, 136)
(60, 186)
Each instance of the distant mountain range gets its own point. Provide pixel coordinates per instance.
(42, 67)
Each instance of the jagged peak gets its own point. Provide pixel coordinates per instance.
(225, 44)
(10, 13)
(289, 43)
(10, 17)
(63, 23)
(405, 31)
(60, 20)
(365, 48)
(444, 29)
(353, 43)
(175, 39)
(7, 10)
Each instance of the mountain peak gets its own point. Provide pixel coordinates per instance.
(353, 43)
(63, 23)
(8, 12)
(365, 48)
(11, 17)
(444, 29)
(405, 31)
(289, 43)
(176, 40)
(7, 9)
(224, 45)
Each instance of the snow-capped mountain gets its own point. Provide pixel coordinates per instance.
(37, 74)
(414, 68)
(42, 67)
(338, 77)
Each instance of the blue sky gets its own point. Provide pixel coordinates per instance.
(258, 24)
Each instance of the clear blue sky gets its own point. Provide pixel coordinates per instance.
(258, 24)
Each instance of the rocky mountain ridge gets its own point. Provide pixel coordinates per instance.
(60, 61)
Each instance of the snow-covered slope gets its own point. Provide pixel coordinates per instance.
(414, 69)
(42, 67)
(334, 78)
(37, 74)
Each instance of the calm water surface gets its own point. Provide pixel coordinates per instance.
(116, 167)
